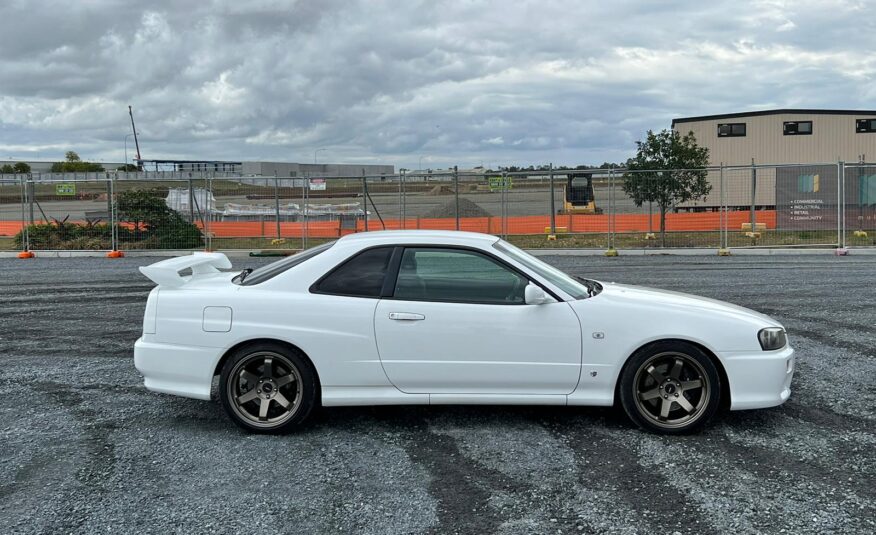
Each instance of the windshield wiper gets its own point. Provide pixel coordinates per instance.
(592, 286)
(242, 275)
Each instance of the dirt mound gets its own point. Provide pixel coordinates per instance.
(466, 209)
(440, 190)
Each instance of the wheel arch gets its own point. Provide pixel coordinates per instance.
(722, 373)
(230, 351)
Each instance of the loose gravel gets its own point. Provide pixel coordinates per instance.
(84, 448)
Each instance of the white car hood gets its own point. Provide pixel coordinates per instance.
(675, 300)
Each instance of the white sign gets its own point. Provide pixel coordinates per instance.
(317, 184)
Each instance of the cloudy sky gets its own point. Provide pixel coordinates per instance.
(405, 82)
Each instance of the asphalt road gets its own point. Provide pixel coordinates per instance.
(84, 448)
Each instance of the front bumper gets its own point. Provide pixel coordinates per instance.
(759, 379)
(173, 369)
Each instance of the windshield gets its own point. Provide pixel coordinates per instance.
(546, 271)
(275, 268)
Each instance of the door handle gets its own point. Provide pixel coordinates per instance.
(406, 316)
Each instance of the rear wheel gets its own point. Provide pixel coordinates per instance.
(670, 388)
(267, 388)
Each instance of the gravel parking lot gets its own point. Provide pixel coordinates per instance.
(84, 448)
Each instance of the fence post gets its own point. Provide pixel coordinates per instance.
(456, 194)
(504, 207)
(365, 198)
(722, 221)
(191, 202)
(305, 192)
(404, 200)
(553, 206)
(611, 251)
(840, 201)
(112, 205)
(25, 235)
(277, 202)
(31, 193)
(753, 195)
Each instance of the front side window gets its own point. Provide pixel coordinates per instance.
(456, 275)
(546, 271)
(731, 130)
(360, 276)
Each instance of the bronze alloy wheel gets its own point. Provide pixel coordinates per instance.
(264, 389)
(671, 390)
(670, 387)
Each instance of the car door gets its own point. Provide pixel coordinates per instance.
(456, 323)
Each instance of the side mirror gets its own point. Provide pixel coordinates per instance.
(534, 295)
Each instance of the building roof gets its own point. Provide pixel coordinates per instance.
(771, 112)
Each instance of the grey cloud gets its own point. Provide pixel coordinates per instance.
(455, 82)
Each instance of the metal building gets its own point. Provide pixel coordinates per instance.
(772, 138)
(784, 136)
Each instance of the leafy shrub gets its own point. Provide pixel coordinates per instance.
(153, 226)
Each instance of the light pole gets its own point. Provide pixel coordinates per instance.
(314, 154)
(126, 150)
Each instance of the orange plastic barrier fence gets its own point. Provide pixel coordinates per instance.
(10, 228)
(681, 222)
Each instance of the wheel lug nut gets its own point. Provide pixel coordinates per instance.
(665, 396)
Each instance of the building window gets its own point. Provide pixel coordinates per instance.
(731, 130)
(798, 128)
(865, 125)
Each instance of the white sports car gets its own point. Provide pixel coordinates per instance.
(422, 317)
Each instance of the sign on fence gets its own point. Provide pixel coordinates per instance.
(65, 189)
(317, 184)
(806, 198)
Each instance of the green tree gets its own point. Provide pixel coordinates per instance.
(74, 164)
(150, 216)
(128, 167)
(668, 169)
(21, 167)
(6, 169)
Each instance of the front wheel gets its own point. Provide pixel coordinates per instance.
(670, 388)
(267, 388)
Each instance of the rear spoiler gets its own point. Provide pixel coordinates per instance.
(166, 272)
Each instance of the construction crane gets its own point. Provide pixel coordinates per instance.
(136, 141)
(578, 197)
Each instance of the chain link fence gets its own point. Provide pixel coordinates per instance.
(724, 207)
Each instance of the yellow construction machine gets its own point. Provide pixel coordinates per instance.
(578, 195)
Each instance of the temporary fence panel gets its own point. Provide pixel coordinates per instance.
(12, 191)
(826, 205)
(859, 206)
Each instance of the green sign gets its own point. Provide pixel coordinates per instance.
(496, 183)
(66, 189)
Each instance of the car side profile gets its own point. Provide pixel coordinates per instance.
(429, 317)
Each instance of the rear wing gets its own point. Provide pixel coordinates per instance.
(167, 272)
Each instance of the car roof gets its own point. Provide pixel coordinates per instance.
(449, 237)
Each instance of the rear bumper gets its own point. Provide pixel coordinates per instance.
(173, 369)
(759, 380)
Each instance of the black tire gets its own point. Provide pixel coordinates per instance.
(268, 388)
(670, 388)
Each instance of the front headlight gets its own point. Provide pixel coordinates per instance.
(772, 338)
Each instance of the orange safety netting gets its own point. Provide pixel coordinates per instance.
(681, 222)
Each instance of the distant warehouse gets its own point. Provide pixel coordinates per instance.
(775, 137)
